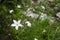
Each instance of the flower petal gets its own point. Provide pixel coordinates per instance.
(20, 25)
(16, 27)
(28, 23)
(35, 39)
(19, 21)
(15, 21)
(13, 25)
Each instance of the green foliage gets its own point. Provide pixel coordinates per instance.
(28, 33)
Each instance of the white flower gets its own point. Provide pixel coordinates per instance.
(43, 16)
(11, 11)
(29, 9)
(17, 24)
(43, 7)
(44, 30)
(35, 39)
(32, 15)
(58, 14)
(18, 6)
(28, 23)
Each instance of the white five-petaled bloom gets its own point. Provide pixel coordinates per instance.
(11, 11)
(28, 23)
(43, 7)
(35, 39)
(18, 6)
(43, 16)
(58, 14)
(17, 24)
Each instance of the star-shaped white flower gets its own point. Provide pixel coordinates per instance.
(35, 39)
(28, 23)
(10, 11)
(18, 6)
(43, 7)
(17, 24)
